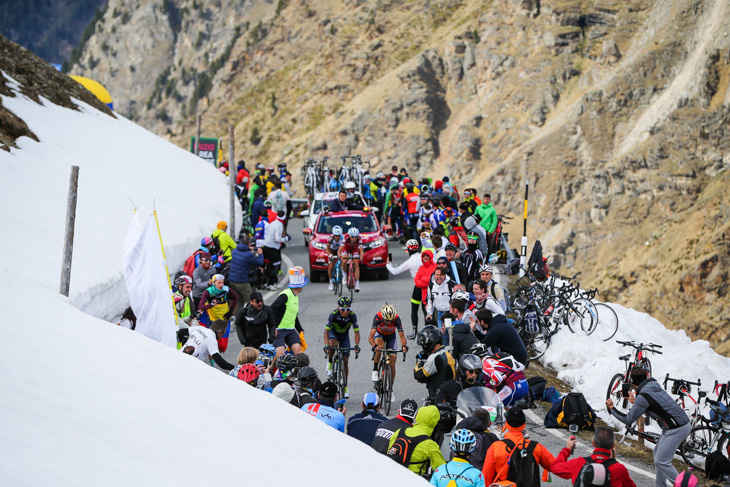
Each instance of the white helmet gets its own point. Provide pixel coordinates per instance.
(349, 185)
(353, 232)
(337, 230)
(460, 295)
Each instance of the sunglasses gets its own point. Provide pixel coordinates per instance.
(204, 260)
(256, 301)
(441, 263)
(344, 309)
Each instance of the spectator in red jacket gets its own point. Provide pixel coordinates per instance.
(603, 442)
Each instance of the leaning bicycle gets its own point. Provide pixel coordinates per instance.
(620, 385)
(384, 384)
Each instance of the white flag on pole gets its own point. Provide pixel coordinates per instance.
(145, 275)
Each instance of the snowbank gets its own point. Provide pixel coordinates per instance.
(587, 364)
(119, 161)
(85, 402)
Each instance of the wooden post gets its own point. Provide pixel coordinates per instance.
(640, 424)
(197, 137)
(68, 244)
(232, 182)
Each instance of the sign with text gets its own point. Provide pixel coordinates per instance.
(208, 149)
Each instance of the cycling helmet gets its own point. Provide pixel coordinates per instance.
(366, 177)
(182, 280)
(353, 232)
(480, 350)
(267, 350)
(248, 373)
(460, 296)
(349, 185)
(388, 312)
(463, 441)
(268, 204)
(307, 377)
(486, 268)
(379, 175)
(205, 241)
(472, 236)
(413, 244)
(451, 247)
(337, 230)
(344, 302)
(469, 361)
(428, 338)
(409, 186)
(286, 362)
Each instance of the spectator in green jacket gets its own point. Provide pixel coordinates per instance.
(427, 452)
(488, 222)
(227, 244)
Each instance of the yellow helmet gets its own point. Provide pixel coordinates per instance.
(388, 312)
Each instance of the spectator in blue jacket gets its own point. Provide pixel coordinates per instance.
(500, 335)
(242, 263)
(257, 209)
(363, 425)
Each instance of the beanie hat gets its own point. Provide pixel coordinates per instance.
(328, 389)
(205, 255)
(515, 417)
(283, 391)
(222, 225)
(685, 479)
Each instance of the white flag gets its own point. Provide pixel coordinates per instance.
(145, 275)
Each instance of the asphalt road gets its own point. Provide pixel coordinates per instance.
(315, 304)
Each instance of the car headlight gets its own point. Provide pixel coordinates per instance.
(377, 243)
(319, 245)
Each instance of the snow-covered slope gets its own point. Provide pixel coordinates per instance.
(85, 402)
(119, 161)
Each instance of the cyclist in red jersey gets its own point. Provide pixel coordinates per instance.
(351, 248)
(382, 335)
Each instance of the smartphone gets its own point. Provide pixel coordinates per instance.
(390, 257)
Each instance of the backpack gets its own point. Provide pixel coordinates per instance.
(523, 468)
(278, 203)
(189, 265)
(403, 448)
(716, 465)
(537, 387)
(507, 299)
(575, 410)
(216, 245)
(594, 473)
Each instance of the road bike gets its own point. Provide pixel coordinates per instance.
(337, 275)
(349, 279)
(384, 384)
(620, 385)
(338, 368)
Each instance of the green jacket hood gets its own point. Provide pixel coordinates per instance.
(428, 417)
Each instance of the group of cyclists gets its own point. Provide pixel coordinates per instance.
(466, 341)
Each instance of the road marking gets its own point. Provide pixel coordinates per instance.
(534, 417)
(289, 264)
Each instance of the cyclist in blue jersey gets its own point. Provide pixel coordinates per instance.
(333, 246)
(324, 409)
(337, 334)
(459, 470)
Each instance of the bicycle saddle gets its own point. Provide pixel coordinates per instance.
(626, 357)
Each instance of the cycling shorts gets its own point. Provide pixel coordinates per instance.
(513, 392)
(390, 341)
(343, 341)
(286, 338)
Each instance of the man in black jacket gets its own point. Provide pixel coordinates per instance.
(255, 322)
(404, 419)
(343, 204)
(462, 336)
(500, 335)
(457, 271)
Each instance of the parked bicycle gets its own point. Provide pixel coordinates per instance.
(339, 376)
(384, 384)
(620, 385)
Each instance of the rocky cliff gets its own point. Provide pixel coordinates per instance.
(616, 111)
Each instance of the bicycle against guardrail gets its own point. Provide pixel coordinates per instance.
(384, 384)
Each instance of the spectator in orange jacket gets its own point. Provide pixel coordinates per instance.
(496, 463)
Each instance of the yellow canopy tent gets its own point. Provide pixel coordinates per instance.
(96, 88)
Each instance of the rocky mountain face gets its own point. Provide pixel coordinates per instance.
(616, 111)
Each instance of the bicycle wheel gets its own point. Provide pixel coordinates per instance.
(337, 276)
(579, 317)
(386, 380)
(537, 343)
(702, 441)
(607, 322)
(340, 379)
(615, 393)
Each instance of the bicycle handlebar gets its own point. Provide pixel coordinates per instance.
(667, 379)
(648, 347)
(343, 349)
(389, 352)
